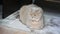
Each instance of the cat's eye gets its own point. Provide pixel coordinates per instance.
(34, 15)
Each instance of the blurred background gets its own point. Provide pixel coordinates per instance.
(0, 9)
(8, 7)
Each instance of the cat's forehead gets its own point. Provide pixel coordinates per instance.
(36, 9)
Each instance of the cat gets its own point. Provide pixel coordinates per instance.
(32, 16)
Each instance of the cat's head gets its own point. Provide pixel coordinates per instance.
(36, 12)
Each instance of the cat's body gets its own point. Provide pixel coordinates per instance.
(31, 15)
